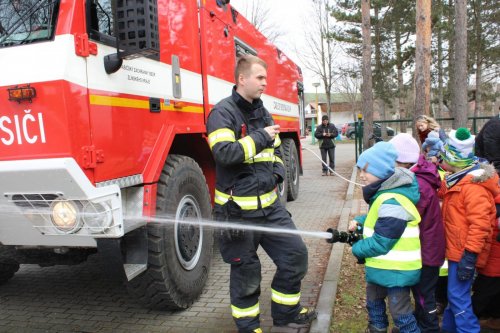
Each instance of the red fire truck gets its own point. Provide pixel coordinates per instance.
(103, 106)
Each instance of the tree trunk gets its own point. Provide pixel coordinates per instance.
(440, 63)
(379, 79)
(460, 64)
(367, 73)
(479, 61)
(401, 87)
(422, 85)
(451, 59)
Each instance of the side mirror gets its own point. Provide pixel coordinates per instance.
(136, 31)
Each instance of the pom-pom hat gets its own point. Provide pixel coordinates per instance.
(459, 148)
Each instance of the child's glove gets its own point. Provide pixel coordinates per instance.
(466, 266)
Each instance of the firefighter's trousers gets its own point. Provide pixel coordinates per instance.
(288, 252)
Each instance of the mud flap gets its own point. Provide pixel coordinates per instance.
(126, 257)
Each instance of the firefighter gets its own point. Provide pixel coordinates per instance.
(245, 145)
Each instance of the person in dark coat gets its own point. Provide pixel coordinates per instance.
(486, 297)
(431, 228)
(326, 134)
(488, 142)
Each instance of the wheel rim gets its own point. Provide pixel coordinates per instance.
(294, 170)
(281, 189)
(188, 237)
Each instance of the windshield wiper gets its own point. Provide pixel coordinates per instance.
(33, 9)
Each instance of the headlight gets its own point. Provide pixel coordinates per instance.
(97, 217)
(64, 216)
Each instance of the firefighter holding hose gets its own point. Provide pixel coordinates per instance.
(245, 144)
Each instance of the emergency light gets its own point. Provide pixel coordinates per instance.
(19, 94)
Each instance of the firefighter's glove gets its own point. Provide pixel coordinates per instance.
(232, 214)
(466, 266)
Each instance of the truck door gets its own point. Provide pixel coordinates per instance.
(125, 106)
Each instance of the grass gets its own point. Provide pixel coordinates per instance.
(349, 314)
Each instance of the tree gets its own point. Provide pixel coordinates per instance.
(422, 82)
(348, 83)
(367, 102)
(460, 65)
(320, 54)
(258, 13)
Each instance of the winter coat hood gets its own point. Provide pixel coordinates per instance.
(403, 181)
(427, 171)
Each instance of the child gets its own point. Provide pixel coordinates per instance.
(391, 245)
(469, 216)
(434, 144)
(431, 228)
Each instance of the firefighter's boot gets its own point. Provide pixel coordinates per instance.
(305, 316)
(255, 330)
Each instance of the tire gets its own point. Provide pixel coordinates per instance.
(7, 271)
(352, 136)
(8, 266)
(291, 160)
(179, 254)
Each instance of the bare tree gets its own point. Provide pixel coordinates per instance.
(366, 89)
(258, 13)
(422, 84)
(348, 83)
(320, 53)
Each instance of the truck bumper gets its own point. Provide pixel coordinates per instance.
(50, 202)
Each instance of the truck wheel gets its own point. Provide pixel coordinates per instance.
(7, 271)
(282, 192)
(179, 253)
(291, 160)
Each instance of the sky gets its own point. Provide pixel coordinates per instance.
(291, 16)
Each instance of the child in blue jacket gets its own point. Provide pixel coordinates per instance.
(390, 244)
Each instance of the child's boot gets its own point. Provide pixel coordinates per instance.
(373, 329)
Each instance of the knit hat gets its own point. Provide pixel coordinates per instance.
(324, 118)
(379, 160)
(459, 148)
(407, 148)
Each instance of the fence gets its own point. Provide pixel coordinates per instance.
(473, 123)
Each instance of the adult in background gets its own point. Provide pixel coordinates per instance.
(425, 125)
(488, 142)
(245, 145)
(326, 134)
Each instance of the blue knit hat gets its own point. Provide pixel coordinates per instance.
(379, 160)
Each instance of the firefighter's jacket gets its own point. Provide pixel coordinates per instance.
(248, 162)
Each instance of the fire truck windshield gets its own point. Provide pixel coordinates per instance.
(27, 21)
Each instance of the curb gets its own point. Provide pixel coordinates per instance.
(328, 292)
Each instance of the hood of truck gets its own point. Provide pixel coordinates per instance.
(55, 122)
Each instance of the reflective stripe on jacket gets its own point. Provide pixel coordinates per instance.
(405, 254)
(248, 162)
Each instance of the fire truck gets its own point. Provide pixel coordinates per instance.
(103, 105)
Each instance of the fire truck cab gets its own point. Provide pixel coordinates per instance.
(103, 145)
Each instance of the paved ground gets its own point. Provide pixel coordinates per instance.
(82, 298)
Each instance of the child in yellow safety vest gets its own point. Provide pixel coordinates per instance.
(390, 244)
